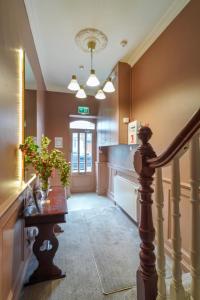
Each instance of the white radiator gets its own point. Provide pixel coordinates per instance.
(126, 196)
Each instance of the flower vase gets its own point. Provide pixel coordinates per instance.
(44, 195)
(65, 191)
(44, 189)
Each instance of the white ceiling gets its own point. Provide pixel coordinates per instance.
(54, 24)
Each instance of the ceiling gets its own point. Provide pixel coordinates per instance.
(55, 23)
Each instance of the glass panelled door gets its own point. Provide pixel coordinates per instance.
(82, 160)
(89, 159)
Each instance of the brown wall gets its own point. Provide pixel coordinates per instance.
(165, 94)
(166, 80)
(57, 110)
(166, 83)
(116, 106)
(15, 33)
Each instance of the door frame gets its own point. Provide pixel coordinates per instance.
(88, 176)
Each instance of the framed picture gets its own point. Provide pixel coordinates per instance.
(58, 142)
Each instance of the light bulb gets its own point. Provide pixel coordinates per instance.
(81, 93)
(73, 85)
(92, 80)
(109, 87)
(100, 95)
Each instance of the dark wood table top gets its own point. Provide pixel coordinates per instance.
(52, 211)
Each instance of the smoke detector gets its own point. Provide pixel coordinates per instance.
(123, 43)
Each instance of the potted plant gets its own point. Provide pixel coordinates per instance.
(45, 161)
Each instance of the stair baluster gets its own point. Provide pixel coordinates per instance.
(177, 291)
(195, 201)
(160, 236)
(146, 162)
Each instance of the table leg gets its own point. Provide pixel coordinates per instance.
(44, 248)
(58, 229)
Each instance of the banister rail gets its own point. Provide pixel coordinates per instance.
(146, 162)
(178, 143)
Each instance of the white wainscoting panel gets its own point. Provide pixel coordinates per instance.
(126, 196)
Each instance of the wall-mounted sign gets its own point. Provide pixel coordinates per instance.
(58, 142)
(133, 128)
(83, 110)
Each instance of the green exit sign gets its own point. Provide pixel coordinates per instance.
(84, 110)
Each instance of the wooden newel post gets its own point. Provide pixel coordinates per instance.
(146, 274)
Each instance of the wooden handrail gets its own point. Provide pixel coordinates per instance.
(178, 143)
(145, 163)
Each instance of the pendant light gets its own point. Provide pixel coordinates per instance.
(73, 85)
(91, 40)
(100, 95)
(109, 87)
(92, 80)
(81, 93)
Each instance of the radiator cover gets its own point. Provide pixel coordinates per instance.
(126, 196)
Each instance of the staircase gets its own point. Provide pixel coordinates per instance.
(151, 281)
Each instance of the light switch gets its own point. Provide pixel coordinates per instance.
(126, 120)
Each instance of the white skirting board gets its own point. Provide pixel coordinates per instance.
(126, 196)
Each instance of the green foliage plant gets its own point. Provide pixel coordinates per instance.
(45, 161)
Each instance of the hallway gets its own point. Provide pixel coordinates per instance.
(96, 251)
(100, 100)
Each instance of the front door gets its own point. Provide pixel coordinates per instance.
(82, 160)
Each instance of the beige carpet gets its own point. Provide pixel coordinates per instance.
(84, 233)
(115, 244)
(98, 251)
(131, 294)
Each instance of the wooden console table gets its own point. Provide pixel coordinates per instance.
(46, 243)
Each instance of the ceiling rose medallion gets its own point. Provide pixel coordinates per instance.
(87, 35)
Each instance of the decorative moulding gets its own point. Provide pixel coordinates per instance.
(176, 7)
(91, 34)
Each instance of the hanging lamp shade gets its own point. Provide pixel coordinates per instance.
(73, 85)
(109, 87)
(81, 93)
(100, 95)
(92, 80)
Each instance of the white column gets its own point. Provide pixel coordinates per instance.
(176, 289)
(195, 218)
(160, 236)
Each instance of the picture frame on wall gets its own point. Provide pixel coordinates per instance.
(59, 142)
